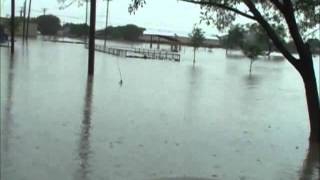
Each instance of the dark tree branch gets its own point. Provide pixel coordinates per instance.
(293, 27)
(222, 6)
(279, 5)
(272, 34)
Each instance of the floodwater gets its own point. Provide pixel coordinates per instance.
(167, 121)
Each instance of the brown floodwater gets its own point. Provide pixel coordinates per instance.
(166, 121)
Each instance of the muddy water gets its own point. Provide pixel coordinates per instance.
(167, 121)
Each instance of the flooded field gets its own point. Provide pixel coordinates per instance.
(167, 121)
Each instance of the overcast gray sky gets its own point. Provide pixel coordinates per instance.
(166, 16)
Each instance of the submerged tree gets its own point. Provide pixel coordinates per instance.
(197, 38)
(297, 16)
(234, 38)
(251, 46)
(77, 30)
(263, 39)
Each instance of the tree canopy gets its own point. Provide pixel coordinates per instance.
(77, 30)
(128, 32)
(251, 45)
(197, 37)
(48, 24)
(314, 44)
(298, 15)
(234, 37)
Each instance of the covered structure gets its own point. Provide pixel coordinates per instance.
(173, 41)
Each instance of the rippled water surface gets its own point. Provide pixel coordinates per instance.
(168, 120)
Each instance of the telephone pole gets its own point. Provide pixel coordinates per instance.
(21, 11)
(44, 10)
(12, 25)
(28, 20)
(86, 23)
(87, 12)
(105, 31)
(92, 37)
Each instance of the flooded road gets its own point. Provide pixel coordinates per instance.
(167, 121)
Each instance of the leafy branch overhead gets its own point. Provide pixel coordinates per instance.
(269, 13)
(223, 12)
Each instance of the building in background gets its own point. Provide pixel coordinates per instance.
(33, 27)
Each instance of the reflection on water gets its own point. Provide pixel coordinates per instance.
(252, 80)
(7, 121)
(193, 89)
(235, 55)
(84, 151)
(311, 166)
(185, 178)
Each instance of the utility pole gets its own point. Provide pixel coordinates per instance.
(105, 31)
(28, 20)
(21, 12)
(92, 37)
(86, 23)
(87, 12)
(24, 20)
(44, 10)
(12, 25)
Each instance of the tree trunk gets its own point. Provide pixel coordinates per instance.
(92, 37)
(194, 56)
(12, 25)
(269, 49)
(250, 70)
(311, 163)
(312, 95)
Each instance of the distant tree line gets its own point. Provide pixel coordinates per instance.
(253, 41)
(50, 25)
(238, 36)
(76, 30)
(313, 42)
(47, 24)
(128, 32)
